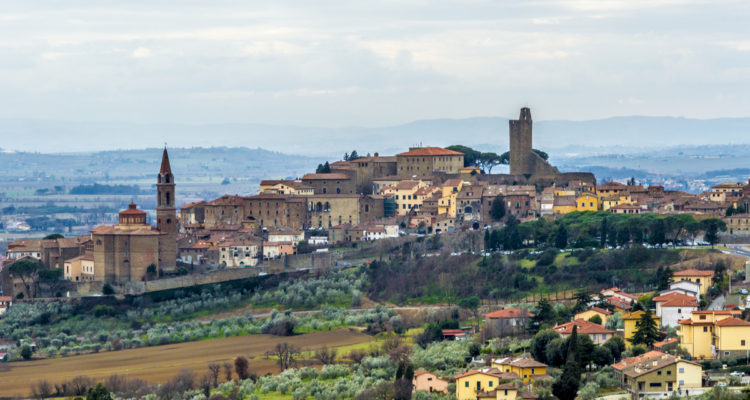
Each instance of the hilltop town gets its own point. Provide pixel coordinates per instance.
(465, 284)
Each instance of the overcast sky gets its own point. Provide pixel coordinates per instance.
(371, 63)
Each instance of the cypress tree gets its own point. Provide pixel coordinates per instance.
(566, 386)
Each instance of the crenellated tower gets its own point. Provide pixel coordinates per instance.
(166, 215)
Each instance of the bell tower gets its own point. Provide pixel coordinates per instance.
(166, 215)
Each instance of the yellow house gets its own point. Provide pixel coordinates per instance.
(80, 269)
(406, 195)
(705, 332)
(527, 369)
(701, 277)
(661, 376)
(630, 322)
(563, 204)
(587, 314)
(507, 391)
(447, 203)
(615, 200)
(587, 202)
(473, 383)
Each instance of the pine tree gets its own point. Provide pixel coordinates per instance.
(566, 386)
(646, 331)
(561, 239)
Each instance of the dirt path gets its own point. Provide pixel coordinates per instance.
(160, 363)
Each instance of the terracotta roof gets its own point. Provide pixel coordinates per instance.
(627, 362)
(453, 332)
(509, 313)
(488, 371)
(406, 185)
(226, 200)
(132, 210)
(430, 151)
(165, 167)
(112, 230)
(527, 363)
(731, 321)
(564, 201)
(653, 364)
(619, 303)
(665, 342)
(191, 205)
(693, 272)
(676, 299)
(719, 312)
(86, 257)
(600, 310)
(586, 327)
(332, 175)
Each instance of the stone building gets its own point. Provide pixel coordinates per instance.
(276, 210)
(226, 210)
(424, 162)
(123, 252)
(330, 183)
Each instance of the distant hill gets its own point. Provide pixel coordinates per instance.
(490, 133)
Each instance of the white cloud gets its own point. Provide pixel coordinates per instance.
(141, 52)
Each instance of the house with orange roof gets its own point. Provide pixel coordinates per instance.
(659, 375)
(673, 307)
(273, 250)
(510, 321)
(597, 333)
(421, 162)
(473, 383)
(508, 391)
(701, 277)
(528, 369)
(409, 195)
(589, 313)
(5, 303)
(239, 253)
(705, 336)
(428, 382)
(193, 213)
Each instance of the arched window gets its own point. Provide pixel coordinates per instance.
(319, 207)
(168, 199)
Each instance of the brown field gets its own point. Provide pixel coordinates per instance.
(160, 363)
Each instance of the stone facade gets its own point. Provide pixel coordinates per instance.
(268, 210)
(523, 159)
(424, 162)
(331, 183)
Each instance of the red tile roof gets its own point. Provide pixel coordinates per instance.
(676, 299)
(627, 362)
(693, 272)
(731, 321)
(430, 151)
(665, 342)
(586, 327)
(332, 175)
(509, 313)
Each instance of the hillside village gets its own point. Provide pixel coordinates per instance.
(662, 341)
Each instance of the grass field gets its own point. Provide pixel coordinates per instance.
(160, 363)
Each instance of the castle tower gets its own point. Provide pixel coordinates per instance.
(521, 157)
(166, 215)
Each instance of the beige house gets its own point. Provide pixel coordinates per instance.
(285, 235)
(421, 162)
(80, 269)
(238, 253)
(428, 382)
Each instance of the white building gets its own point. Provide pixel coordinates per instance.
(673, 307)
(685, 286)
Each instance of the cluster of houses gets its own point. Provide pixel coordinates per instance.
(703, 334)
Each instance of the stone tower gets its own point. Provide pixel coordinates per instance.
(521, 156)
(166, 215)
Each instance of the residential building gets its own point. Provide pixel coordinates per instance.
(564, 204)
(715, 334)
(673, 307)
(625, 209)
(273, 250)
(701, 277)
(277, 210)
(527, 369)
(420, 162)
(80, 269)
(193, 213)
(618, 293)
(610, 189)
(447, 202)
(330, 183)
(738, 224)
(722, 191)
(405, 194)
(510, 321)
(684, 286)
(587, 202)
(604, 314)
(283, 234)
(472, 383)
(288, 187)
(630, 322)
(226, 210)
(239, 253)
(5, 303)
(597, 333)
(508, 391)
(428, 382)
(661, 375)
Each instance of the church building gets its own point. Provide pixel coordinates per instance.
(123, 252)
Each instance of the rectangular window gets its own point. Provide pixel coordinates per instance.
(658, 372)
(669, 372)
(682, 371)
(655, 384)
(466, 384)
(742, 342)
